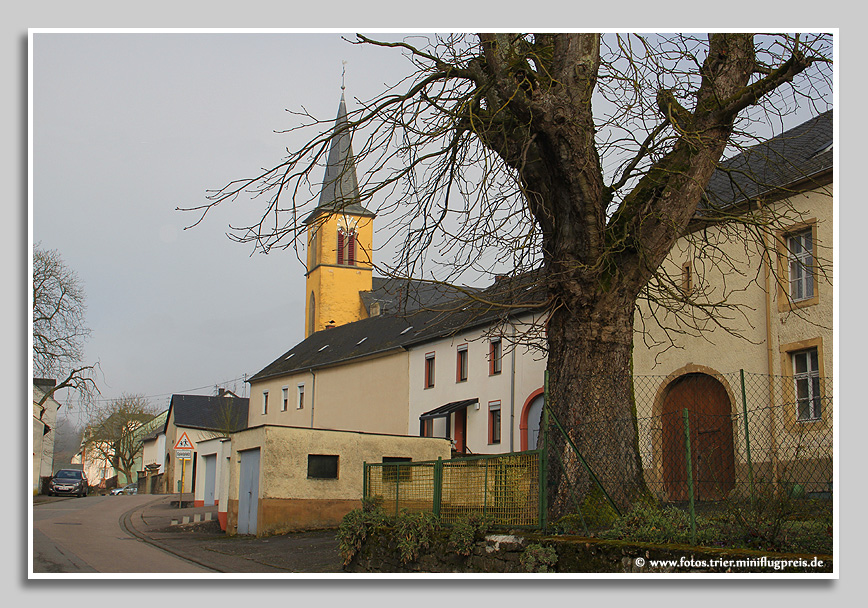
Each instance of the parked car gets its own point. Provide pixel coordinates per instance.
(130, 488)
(68, 481)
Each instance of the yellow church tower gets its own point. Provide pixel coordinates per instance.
(340, 236)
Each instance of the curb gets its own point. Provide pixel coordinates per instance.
(126, 524)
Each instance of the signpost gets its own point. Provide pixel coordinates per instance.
(183, 452)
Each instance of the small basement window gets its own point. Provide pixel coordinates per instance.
(396, 472)
(322, 466)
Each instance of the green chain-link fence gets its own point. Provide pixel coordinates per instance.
(709, 444)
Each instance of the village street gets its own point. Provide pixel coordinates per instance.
(134, 534)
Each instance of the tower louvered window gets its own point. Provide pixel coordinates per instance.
(346, 248)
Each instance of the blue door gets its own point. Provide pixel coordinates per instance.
(248, 492)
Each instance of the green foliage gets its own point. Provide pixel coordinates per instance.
(466, 531)
(356, 526)
(651, 524)
(413, 532)
(539, 558)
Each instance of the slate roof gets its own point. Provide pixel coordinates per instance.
(340, 190)
(799, 154)
(397, 296)
(395, 332)
(210, 413)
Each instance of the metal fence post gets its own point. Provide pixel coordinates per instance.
(747, 436)
(543, 456)
(438, 485)
(364, 479)
(686, 418)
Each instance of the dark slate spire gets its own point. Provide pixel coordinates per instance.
(340, 190)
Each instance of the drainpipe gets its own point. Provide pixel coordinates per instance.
(312, 395)
(512, 391)
(768, 260)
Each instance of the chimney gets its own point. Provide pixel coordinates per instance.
(221, 392)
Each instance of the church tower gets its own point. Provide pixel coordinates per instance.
(340, 240)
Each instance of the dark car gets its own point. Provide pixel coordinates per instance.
(68, 481)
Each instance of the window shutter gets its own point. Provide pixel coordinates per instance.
(340, 247)
(351, 249)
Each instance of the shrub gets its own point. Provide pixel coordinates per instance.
(356, 526)
(539, 558)
(413, 532)
(466, 531)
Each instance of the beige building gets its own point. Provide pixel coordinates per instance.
(44, 421)
(776, 324)
(283, 479)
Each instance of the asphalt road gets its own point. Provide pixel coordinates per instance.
(84, 535)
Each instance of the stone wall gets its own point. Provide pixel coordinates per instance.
(503, 553)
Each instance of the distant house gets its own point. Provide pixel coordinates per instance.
(202, 418)
(44, 422)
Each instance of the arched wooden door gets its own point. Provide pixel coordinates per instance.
(711, 438)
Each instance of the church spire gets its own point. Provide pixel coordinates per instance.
(340, 189)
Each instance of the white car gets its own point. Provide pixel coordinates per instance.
(130, 488)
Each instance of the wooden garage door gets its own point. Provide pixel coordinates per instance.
(711, 438)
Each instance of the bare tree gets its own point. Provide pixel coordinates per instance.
(59, 329)
(112, 435)
(581, 156)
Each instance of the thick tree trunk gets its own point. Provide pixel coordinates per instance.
(591, 395)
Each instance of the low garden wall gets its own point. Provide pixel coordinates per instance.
(529, 552)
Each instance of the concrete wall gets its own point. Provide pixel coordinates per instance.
(288, 499)
(43, 442)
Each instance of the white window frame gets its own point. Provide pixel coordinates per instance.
(806, 386)
(284, 401)
(800, 261)
(264, 403)
(299, 397)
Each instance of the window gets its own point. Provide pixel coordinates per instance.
(346, 247)
(312, 258)
(426, 428)
(494, 357)
(797, 267)
(687, 278)
(311, 319)
(801, 265)
(264, 402)
(806, 378)
(322, 466)
(284, 398)
(493, 422)
(299, 404)
(396, 472)
(429, 370)
(462, 363)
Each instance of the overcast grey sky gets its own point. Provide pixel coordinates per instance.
(129, 126)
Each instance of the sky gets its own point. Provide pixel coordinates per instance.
(127, 127)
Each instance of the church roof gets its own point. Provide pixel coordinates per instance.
(340, 189)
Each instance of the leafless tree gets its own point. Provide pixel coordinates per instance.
(59, 329)
(580, 156)
(112, 435)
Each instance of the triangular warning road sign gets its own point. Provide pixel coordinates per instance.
(184, 443)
